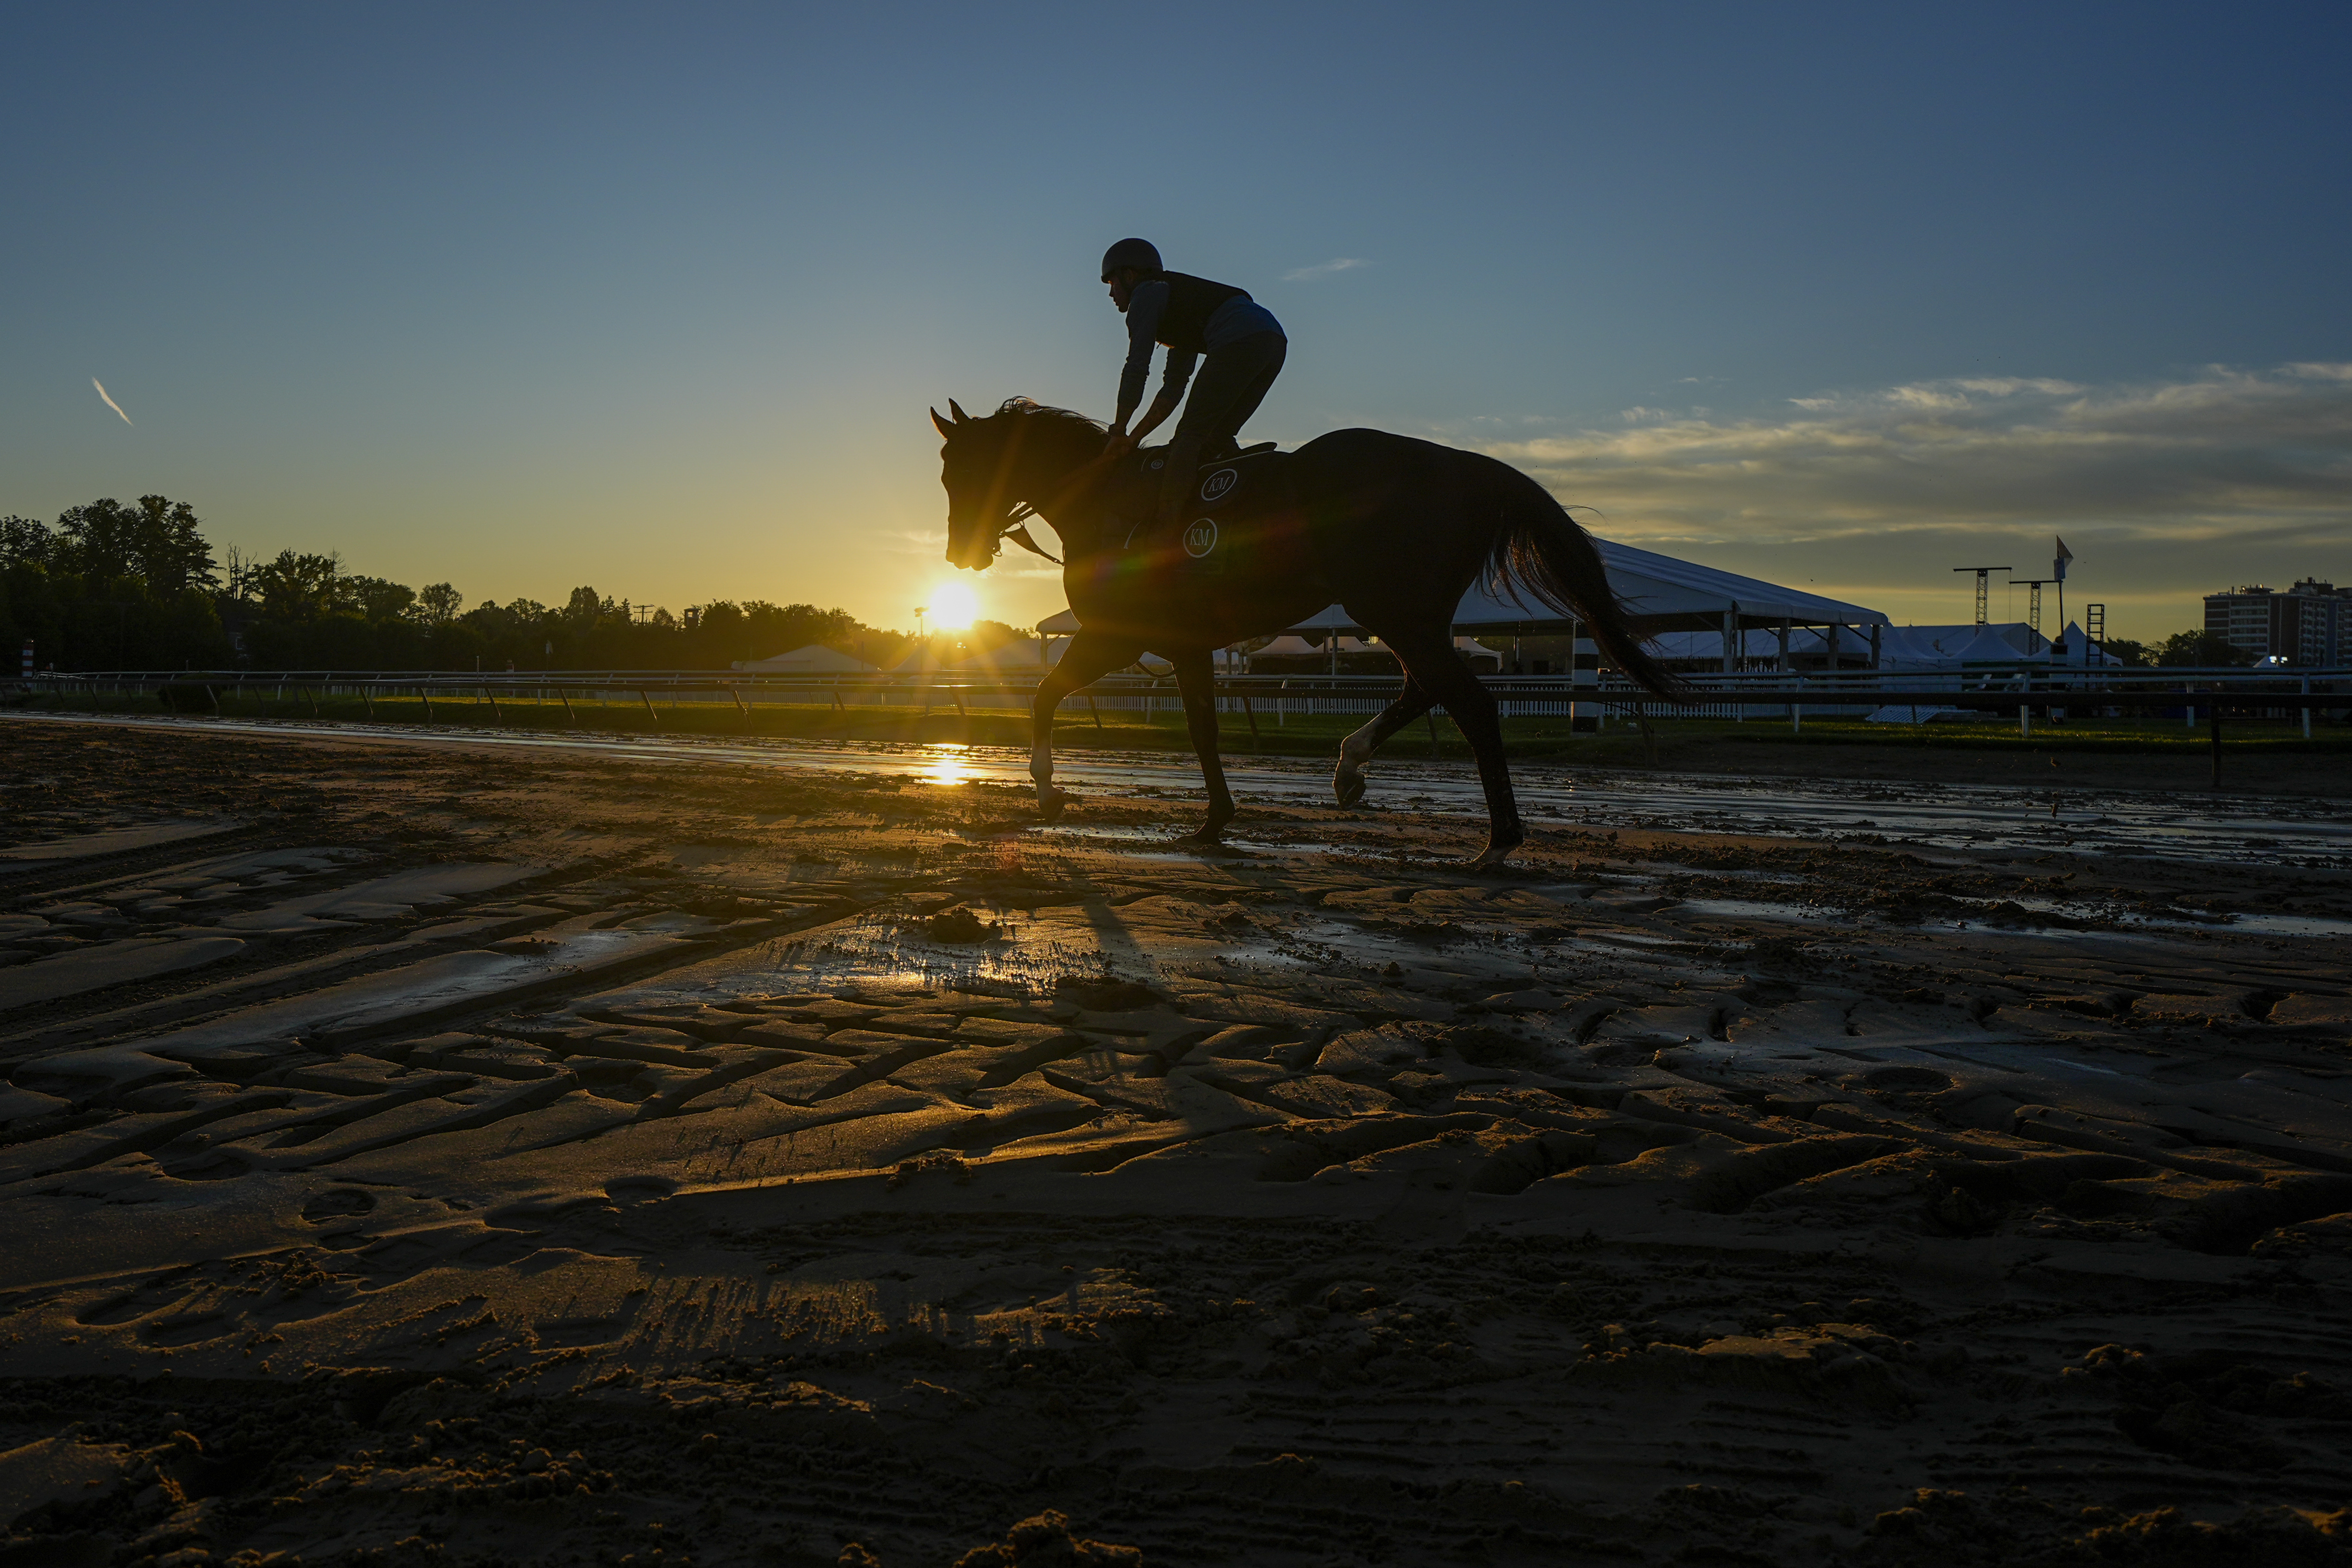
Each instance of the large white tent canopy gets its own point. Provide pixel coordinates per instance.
(1661, 593)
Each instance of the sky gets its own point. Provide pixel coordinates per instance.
(654, 298)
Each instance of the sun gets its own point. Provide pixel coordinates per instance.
(952, 606)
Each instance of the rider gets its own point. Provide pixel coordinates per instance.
(1244, 346)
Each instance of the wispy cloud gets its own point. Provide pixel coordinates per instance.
(109, 402)
(2178, 485)
(1323, 269)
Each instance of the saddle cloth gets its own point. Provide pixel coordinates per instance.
(1204, 539)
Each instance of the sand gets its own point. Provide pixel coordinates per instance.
(449, 1154)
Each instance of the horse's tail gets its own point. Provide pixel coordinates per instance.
(1541, 550)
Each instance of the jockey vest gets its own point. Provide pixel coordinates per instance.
(1190, 302)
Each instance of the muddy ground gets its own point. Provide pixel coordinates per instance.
(429, 1155)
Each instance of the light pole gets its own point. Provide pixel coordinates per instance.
(1983, 575)
(920, 611)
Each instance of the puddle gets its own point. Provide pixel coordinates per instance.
(2063, 917)
(1753, 910)
(2135, 920)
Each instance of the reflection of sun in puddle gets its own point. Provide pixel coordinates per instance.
(948, 764)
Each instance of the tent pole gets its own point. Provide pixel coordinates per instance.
(1573, 627)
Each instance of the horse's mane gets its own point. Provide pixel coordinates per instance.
(1060, 419)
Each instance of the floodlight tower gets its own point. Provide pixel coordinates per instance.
(1984, 575)
(2033, 600)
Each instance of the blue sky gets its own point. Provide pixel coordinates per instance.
(654, 298)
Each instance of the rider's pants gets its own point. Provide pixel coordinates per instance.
(1231, 382)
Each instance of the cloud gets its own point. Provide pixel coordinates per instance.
(109, 402)
(2173, 486)
(1323, 269)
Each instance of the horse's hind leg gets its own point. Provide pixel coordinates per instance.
(1088, 660)
(1196, 678)
(1348, 779)
(1438, 669)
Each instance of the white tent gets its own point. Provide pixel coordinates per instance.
(1920, 647)
(814, 659)
(2076, 648)
(1764, 643)
(1989, 646)
(1026, 657)
(1662, 594)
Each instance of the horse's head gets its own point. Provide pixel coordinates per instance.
(976, 467)
(1024, 460)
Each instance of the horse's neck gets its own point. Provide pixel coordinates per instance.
(1070, 504)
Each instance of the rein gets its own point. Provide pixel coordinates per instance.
(1015, 524)
(1016, 529)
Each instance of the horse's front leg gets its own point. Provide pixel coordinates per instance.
(1086, 660)
(1196, 678)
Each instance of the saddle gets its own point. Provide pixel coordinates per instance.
(1201, 541)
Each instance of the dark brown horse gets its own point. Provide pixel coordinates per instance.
(1392, 529)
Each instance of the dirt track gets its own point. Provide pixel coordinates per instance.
(466, 1156)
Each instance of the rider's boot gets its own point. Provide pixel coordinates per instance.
(1176, 480)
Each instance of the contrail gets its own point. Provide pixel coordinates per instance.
(111, 403)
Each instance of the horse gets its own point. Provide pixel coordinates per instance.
(1392, 529)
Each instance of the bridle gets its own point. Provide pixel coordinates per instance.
(1015, 525)
(1016, 529)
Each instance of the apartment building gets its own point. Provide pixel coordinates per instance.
(2309, 623)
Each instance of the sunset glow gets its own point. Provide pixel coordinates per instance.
(952, 606)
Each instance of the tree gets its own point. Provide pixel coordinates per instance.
(379, 599)
(173, 554)
(2198, 648)
(2123, 650)
(156, 541)
(439, 604)
(25, 543)
(296, 588)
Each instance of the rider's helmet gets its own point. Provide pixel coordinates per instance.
(1140, 254)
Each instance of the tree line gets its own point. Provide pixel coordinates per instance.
(111, 586)
(115, 586)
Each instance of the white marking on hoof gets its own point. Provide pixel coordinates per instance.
(1357, 749)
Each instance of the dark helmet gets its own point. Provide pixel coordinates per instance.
(1140, 254)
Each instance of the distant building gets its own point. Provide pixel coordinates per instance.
(2309, 623)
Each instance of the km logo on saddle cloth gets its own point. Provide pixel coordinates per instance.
(1231, 500)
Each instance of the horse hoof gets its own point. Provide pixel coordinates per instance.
(1487, 860)
(1349, 788)
(1051, 810)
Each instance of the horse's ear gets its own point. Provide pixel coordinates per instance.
(944, 429)
(956, 409)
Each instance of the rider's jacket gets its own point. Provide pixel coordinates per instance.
(1190, 302)
(1192, 316)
